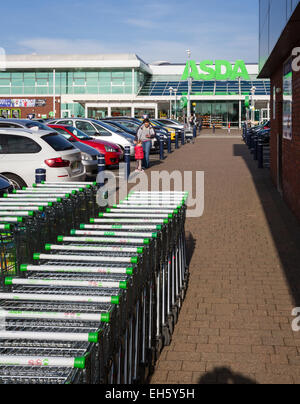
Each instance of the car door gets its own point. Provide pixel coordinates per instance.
(19, 155)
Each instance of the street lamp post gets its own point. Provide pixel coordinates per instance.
(253, 89)
(171, 91)
(189, 88)
(175, 92)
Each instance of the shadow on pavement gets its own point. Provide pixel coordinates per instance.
(225, 376)
(190, 247)
(284, 226)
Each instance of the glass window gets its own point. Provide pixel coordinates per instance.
(9, 125)
(12, 144)
(4, 81)
(64, 122)
(57, 142)
(117, 89)
(36, 124)
(76, 132)
(102, 131)
(65, 134)
(85, 127)
(5, 90)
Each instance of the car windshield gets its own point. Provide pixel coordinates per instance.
(103, 125)
(33, 124)
(131, 124)
(65, 134)
(121, 130)
(176, 122)
(78, 133)
(58, 142)
(157, 122)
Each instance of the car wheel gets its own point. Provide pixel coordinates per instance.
(16, 181)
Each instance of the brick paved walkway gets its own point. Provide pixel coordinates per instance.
(235, 324)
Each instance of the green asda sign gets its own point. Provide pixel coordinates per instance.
(221, 70)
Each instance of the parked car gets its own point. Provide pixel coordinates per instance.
(170, 131)
(89, 155)
(100, 130)
(6, 186)
(171, 123)
(22, 124)
(113, 154)
(134, 124)
(118, 125)
(22, 151)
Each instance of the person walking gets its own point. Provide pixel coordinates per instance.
(144, 135)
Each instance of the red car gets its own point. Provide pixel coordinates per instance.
(113, 153)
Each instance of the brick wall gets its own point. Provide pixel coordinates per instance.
(290, 183)
(38, 111)
(291, 154)
(276, 125)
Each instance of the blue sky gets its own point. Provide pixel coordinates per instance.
(153, 29)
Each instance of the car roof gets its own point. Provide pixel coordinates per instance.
(15, 120)
(28, 132)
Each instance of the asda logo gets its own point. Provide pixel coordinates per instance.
(220, 70)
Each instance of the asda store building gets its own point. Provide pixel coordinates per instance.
(123, 84)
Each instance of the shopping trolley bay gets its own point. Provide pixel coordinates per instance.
(88, 296)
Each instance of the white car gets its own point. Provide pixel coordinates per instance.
(22, 151)
(100, 130)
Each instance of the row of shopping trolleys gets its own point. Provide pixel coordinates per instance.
(100, 304)
(45, 210)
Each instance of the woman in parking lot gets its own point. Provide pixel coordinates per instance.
(145, 134)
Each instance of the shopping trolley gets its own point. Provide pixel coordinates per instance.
(68, 314)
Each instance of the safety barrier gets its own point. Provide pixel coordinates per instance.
(101, 302)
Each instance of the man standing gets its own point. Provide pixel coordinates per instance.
(145, 134)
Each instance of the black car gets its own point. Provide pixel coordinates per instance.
(5, 186)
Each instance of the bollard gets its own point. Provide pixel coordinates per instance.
(40, 175)
(260, 154)
(176, 141)
(101, 169)
(169, 144)
(161, 147)
(195, 132)
(255, 154)
(127, 162)
(182, 138)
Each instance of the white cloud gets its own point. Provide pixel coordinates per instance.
(140, 23)
(204, 47)
(59, 46)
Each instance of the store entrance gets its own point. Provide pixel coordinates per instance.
(97, 113)
(218, 114)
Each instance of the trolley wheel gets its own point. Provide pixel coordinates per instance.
(158, 346)
(171, 324)
(175, 314)
(167, 336)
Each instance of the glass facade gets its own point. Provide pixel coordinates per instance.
(220, 113)
(71, 82)
(273, 17)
